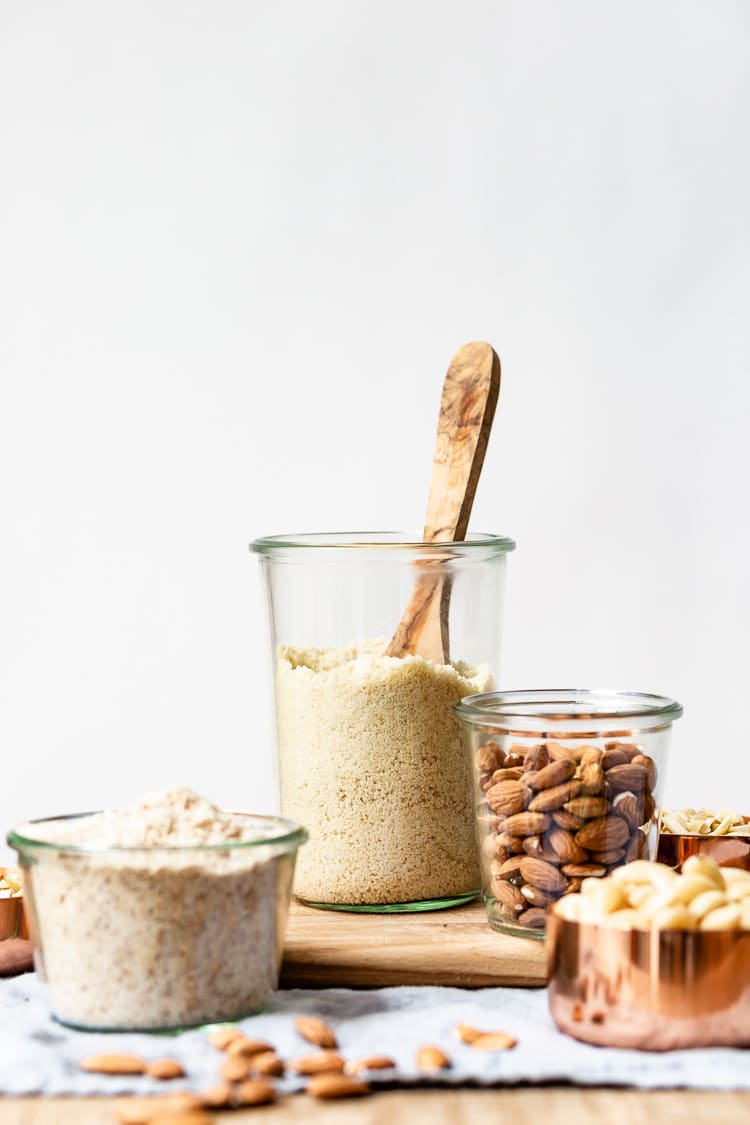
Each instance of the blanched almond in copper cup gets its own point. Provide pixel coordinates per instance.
(657, 990)
(728, 851)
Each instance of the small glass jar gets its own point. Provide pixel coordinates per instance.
(369, 754)
(567, 786)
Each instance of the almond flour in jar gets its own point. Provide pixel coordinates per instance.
(371, 761)
(164, 915)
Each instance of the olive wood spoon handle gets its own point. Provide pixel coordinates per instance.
(467, 407)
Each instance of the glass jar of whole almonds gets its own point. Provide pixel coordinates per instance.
(567, 786)
(375, 637)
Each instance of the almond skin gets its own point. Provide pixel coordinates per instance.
(588, 807)
(508, 797)
(509, 896)
(490, 757)
(632, 809)
(566, 847)
(315, 1031)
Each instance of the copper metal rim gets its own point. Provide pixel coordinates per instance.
(656, 990)
(728, 851)
(12, 917)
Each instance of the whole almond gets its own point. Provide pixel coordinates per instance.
(556, 796)
(165, 1069)
(649, 765)
(432, 1058)
(325, 1062)
(507, 895)
(466, 1033)
(560, 753)
(612, 758)
(604, 833)
(536, 759)
(566, 820)
(554, 774)
(268, 1064)
(609, 859)
(107, 1062)
(508, 845)
(508, 869)
(508, 773)
(370, 1062)
(538, 848)
(543, 875)
(526, 824)
(329, 1086)
(315, 1031)
(590, 755)
(235, 1068)
(592, 777)
(245, 1048)
(508, 797)
(634, 778)
(588, 807)
(536, 897)
(494, 1041)
(564, 844)
(629, 749)
(221, 1037)
(584, 870)
(143, 1110)
(217, 1096)
(535, 918)
(636, 848)
(255, 1091)
(490, 757)
(632, 809)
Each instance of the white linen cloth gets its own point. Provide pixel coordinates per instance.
(40, 1056)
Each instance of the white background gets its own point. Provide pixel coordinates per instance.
(239, 243)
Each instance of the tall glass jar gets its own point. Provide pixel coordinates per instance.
(369, 754)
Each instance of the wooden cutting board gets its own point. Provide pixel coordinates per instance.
(333, 949)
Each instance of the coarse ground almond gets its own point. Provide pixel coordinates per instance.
(327, 1086)
(315, 1031)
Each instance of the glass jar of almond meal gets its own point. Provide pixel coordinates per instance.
(369, 756)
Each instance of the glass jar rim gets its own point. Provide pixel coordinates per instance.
(376, 541)
(578, 708)
(287, 834)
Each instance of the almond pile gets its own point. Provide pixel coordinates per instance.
(249, 1065)
(551, 815)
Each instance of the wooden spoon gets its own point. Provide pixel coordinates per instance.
(467, 407)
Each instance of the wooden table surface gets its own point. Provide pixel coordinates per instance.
(520, 1106)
